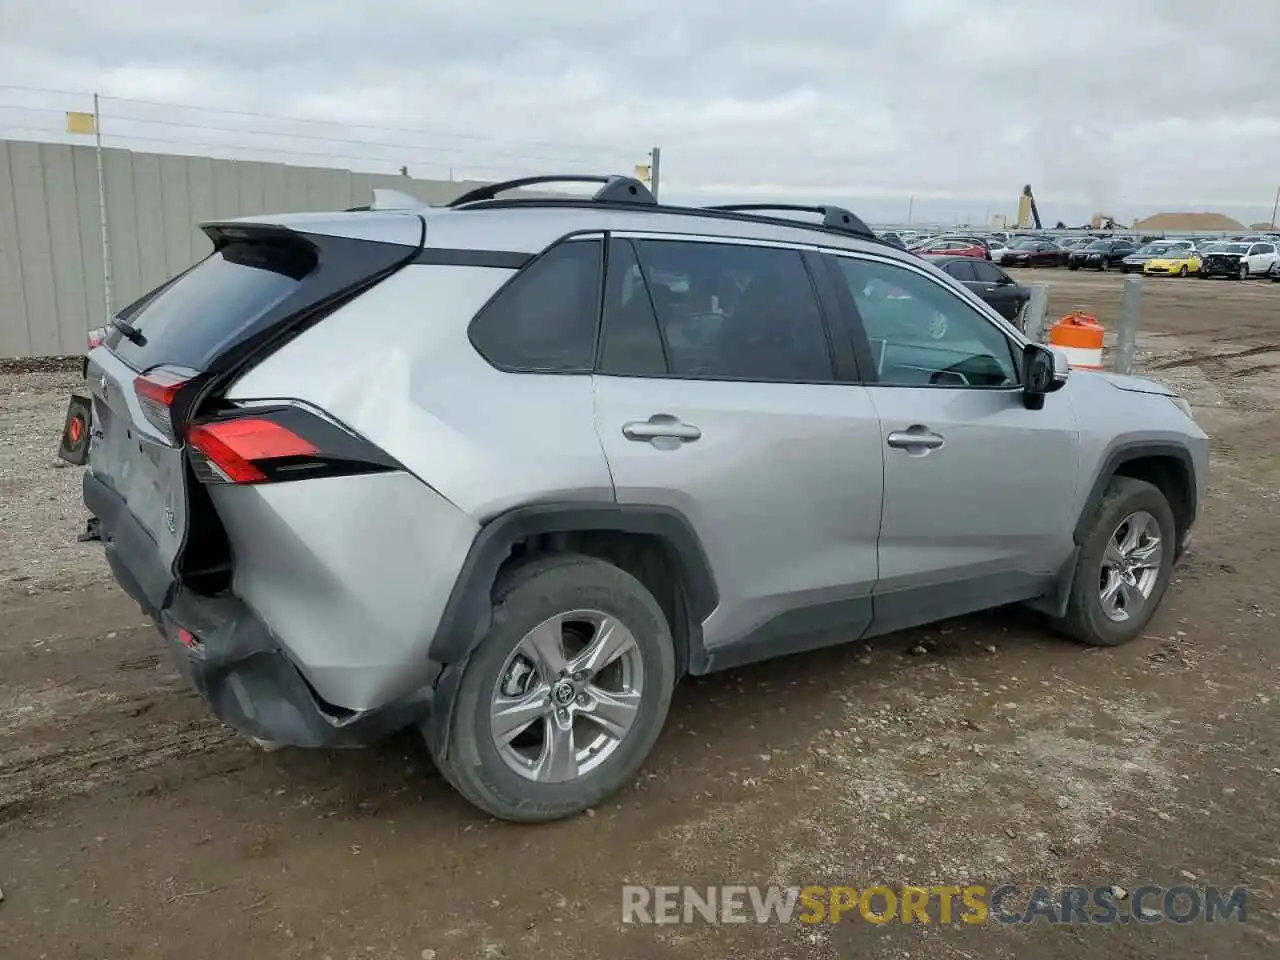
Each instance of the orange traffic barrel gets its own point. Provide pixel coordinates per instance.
(1079, 336)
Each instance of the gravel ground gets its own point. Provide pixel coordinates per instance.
(40, 509)
(985, 749)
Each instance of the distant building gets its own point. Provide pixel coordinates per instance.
(1262, 226)
(1188, 221)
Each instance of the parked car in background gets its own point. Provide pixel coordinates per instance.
(1100, 254)
(997, 248)
(954, 247)
(1073, 243)
(893, 237)
(1240, 261)
(989, 282)
(1135, 261)
(1033, 252)
(1177, 262)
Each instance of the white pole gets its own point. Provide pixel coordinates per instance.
(655, 166)
(102, 210)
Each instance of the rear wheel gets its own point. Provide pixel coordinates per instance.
(564, 698)
(1124, 566)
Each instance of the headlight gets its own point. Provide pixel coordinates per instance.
(1182, 404)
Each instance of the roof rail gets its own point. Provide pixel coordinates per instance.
(615, 189)
(835, 218)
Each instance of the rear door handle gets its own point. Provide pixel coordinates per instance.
(914, 439)
(660, 426)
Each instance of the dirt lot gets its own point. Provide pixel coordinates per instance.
(134, 825)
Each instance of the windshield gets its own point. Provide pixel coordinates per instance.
(1156, 249)
(1099, 245)
(1235, 248)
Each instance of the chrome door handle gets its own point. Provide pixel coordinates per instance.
(909, 440)
(660, 426)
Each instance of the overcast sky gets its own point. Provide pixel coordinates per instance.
(1124, 107)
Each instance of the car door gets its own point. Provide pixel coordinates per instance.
(722, 394)
(1262, 256)
(977, 488)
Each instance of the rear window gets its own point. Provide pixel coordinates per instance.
(194, 317)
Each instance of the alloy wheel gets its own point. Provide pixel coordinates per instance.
(1130, 566)
(567, 696)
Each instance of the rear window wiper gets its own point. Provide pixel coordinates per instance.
(131, 333)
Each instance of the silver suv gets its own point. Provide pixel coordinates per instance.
(506, 470)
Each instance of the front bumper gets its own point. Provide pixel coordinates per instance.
(228, 654)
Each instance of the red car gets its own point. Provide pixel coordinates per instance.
(954, 247)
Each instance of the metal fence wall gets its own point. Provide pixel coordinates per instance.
(51, 263)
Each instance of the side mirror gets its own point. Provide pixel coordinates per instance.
(1044, 370)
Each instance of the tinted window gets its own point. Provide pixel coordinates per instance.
(545, 318)
(989, 273)
(723, 311)
(1266, 248)
(193, 318)
(961, 270)
(923, 334)
(632, 343)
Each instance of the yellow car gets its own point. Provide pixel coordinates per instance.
(1178, 263)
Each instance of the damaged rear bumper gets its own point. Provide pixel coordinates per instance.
(228, 654)
(231, 659)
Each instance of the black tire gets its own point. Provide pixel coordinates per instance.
(1073, 266)
(536, 592)
(1182, 270)
(1243, 274)
(1085, 620)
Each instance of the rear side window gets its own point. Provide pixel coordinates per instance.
(721, 311)
(544, 320)
(193, 318)
(961, 270)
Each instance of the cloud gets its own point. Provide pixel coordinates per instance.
(1099, 105)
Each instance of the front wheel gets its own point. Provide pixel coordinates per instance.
(1182, 270)
(1124, 565)
(564, 698)
(1243, 273)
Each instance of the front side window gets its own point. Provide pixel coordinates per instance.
(544, 320)
(923, 334)
(721, 311)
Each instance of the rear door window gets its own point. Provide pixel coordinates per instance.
(961, 270)
(732, 311)
(989, 273)
(190, 320)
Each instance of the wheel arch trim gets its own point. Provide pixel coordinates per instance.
(468, 612)
(1128, 452)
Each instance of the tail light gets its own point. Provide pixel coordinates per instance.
(276, 444)
(157, 390)
(97, 337)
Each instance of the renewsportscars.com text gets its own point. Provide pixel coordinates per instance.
(938, 904)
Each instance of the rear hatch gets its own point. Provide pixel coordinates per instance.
(168, 356)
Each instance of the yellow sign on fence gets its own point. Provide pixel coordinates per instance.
(80, 122)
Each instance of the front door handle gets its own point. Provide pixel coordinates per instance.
(660, 426)
(917, 438)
